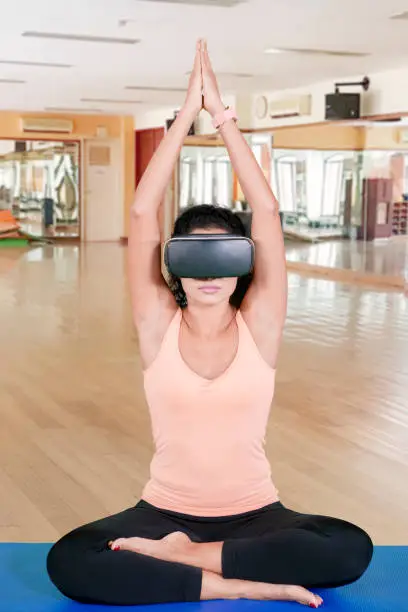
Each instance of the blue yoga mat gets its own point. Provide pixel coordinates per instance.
(24, 587)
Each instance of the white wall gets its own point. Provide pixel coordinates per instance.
(388, 93)
(151, 118)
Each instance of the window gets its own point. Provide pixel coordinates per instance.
(332, 186)
(286, 183)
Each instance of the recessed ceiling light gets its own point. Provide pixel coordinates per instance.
(13, 81)
(109, 101)
(400, 16)
(39, 64)
(82, 38)
(273, 51)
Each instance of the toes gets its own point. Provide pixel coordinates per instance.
(118, 544)
(312, 600)
(303, 596)
(131, 544)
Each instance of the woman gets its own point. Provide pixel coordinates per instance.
(210, 524)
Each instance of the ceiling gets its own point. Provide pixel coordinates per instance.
(101, 73)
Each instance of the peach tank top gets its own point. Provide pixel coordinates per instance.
(209, 434)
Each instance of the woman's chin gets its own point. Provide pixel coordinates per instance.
(208, 299)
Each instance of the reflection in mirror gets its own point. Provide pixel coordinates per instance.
(333, 187)
(205, 175)
(315, 191)
(342, 200)
(286, 170)
(39, 186)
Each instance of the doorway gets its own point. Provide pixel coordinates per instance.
(103, 218)
(146, 143)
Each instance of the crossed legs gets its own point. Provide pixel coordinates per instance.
(273, 553)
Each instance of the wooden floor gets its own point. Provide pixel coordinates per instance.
(75, 442)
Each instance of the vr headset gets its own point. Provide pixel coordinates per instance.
(209, 256)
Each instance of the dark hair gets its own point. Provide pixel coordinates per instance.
(205, 216)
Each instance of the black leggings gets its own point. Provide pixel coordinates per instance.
(273, 544)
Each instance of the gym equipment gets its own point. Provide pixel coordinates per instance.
(209, 256)
(25, 587)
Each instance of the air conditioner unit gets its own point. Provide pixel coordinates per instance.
(58, 126)
(295, 106)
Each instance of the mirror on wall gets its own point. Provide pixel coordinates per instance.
(205, 176)
(332, 200)
(315, 190)
(39, 184)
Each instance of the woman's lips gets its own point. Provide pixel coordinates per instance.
(209, 288)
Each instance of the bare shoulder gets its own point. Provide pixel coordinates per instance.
(152, 327)
(265, 330)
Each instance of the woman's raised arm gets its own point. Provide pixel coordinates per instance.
(150, 294)
(265, 302)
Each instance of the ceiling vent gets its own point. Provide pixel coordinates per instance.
(162, 89)
(66, 109)
(235, 75)
(213, 3)
(109, 101)
(325, 52)
(82, 38)
(231, 75)
(57, 126)
(34, 64)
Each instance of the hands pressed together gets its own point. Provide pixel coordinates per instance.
(203, 89)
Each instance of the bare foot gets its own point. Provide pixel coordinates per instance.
(174, 547)
(285, 592)
(216, 587)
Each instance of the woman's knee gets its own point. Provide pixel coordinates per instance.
(59, 566)
(356, 549)
(65, 565)
(364, 550)
(58, 563)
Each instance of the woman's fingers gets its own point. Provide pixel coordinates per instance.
(207, 57)
(212, 99)
(197, 58)
(202, 54)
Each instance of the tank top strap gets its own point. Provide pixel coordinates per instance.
(248, 343)
(169, 343)
(170, 339)
(244, 331)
